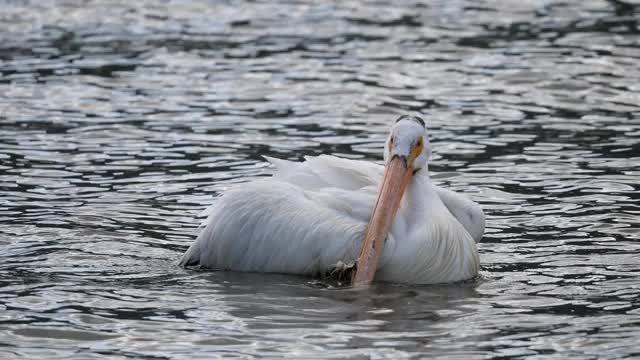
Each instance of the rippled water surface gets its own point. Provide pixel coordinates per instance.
(121, 121)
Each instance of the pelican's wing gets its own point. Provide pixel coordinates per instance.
(273, 225)
(467, 212)
(327, 171)
(321, 173)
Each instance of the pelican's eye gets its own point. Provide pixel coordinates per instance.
(416, 150)
(419, 146)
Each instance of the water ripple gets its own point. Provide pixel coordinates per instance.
(121, 121)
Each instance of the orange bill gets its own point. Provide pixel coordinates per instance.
(396, 177)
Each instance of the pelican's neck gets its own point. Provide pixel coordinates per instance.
(419, 187)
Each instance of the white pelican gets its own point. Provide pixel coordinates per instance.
(311, 218)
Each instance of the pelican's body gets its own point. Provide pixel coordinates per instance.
(310, 217)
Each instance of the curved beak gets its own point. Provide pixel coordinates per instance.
(396, 178)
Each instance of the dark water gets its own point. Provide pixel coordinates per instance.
(121, 121)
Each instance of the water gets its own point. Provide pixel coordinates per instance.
(121, 121)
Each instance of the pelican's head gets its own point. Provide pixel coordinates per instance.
(408, 140)
(406, 152)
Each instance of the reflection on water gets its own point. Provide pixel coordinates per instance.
(120, 122)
